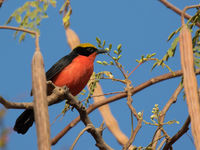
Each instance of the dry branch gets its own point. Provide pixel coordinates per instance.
(61, 93)
(180, 133)
(85, 129)
(134, 90)
(95, 132)
(134, 133)
(57, 95)
(176, 10)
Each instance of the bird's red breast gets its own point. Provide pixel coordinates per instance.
(76, 75)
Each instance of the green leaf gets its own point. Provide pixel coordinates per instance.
(111, 63)
(15, 34)
(32, 15)
(115, 52)
(18, 18)
(114, 58)
(34, 4)
(66, 18)
(165, 58)
(45, 6)
(99, 62)
(104, 42)
(22, 37)
(152, 54)
(171, 35)
(98, 40)
(62, 7)
(154, 65)
(119, 57)
(104, 63)
(38, 19)
(9, 20)
(119, 46)
(30, 25)
(44, 15)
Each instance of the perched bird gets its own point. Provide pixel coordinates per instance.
(73, 70)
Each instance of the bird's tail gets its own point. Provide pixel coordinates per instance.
(24, 121)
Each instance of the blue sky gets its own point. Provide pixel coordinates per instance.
(141, 26)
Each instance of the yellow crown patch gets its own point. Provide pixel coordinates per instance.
(86, 45)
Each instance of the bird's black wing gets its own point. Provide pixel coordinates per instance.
(59, 65)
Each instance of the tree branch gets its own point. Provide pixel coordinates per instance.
(81, 133)
(180, 133)
(57, 95)
(134, 90)
(176, 10)
(134, 133)
(27, 31)
(95, 132)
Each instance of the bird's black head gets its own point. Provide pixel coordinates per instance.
(87, 49)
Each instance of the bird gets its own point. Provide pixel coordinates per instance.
(73, 70)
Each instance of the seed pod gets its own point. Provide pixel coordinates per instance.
(72, 38)
(190, 82)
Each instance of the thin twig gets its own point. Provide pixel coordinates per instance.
(111, 93)
(118, 66)
(180, 133)
(134, 133)
(184, 10)
(161, 144)
(96, 133)
(176, 10)
(167, 137)
(150, 145)
(135, 68)
(18, 29)
(81, 133)
(27, 31)
(171, 101)
(57, 95)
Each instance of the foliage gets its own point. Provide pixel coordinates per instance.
(30, 15)
(155, 118)
(196, 43)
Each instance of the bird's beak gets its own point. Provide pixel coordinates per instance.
(100, 51)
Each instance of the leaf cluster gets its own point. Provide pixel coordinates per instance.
(66, 8)
(155, 118)
(117, 53)
(30, 15)
(195, 41)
